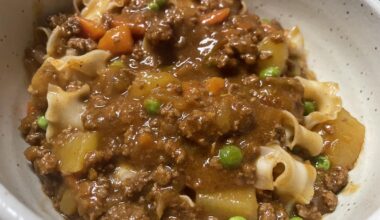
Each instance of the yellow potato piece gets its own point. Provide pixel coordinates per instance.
(71, 154)
(279, 54)
(226, 204)
(346, 142)
(68, 205)
(144, 84)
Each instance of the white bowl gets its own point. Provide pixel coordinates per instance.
(343, 40)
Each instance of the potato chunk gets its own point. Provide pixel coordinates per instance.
(346, 141)
(71, 154)
(146, 83)
(68, 204)
(225, 204)
(279, 54)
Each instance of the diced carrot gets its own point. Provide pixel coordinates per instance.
(91, 29)
(145, 140)
(136, 29)
(215, 85)
(117, 40)
(215, 17)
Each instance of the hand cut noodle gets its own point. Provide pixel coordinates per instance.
(88, 64)
(67, 69)
(297, 135)
(65, 109)
(296, 42)
(328, 103)
(53, 41)
(95, 9)
(294, 184)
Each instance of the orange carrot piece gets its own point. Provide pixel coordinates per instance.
(215, 17)
(91, 29)
(117, 40)
(215, 85)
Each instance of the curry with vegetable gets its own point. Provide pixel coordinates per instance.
(183, 109)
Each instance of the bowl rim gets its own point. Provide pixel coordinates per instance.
(11, 208)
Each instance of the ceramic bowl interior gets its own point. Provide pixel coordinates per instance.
(343, 43)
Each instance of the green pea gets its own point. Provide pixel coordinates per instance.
(152, 106)
(153, 6)
(237, 218)
(230, 156)
(156, 5)
(117, 64)
(273, 71)
(161, 3)
(42, 122)
(296, 218)
(322, 163)
(309, 107)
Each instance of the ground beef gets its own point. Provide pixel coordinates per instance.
(248, 171)
(114, 116)
(218, 118)
(269, 211)
(71, 27)
(199, 127)
(91, 197)
(330, 201)
(47, 164)
(44, 162)
(336, 179)
(175, 151)
(168, 126)
(174, 16)
(136, 184)
(238, 48)
(324, 200)
(34, 137)
(57, 20)
(163, 175)
(308, 212)
(159, 32)
(32, 134)
(82, 45)
(238, 43)
(124, 211)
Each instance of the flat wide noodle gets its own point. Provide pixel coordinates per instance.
(295, 41)
(325, 96)
(66, 69)
(95, 9)
(53, 41)
(294, 184)
(88, 64)
(65, 109)
(297, 135)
